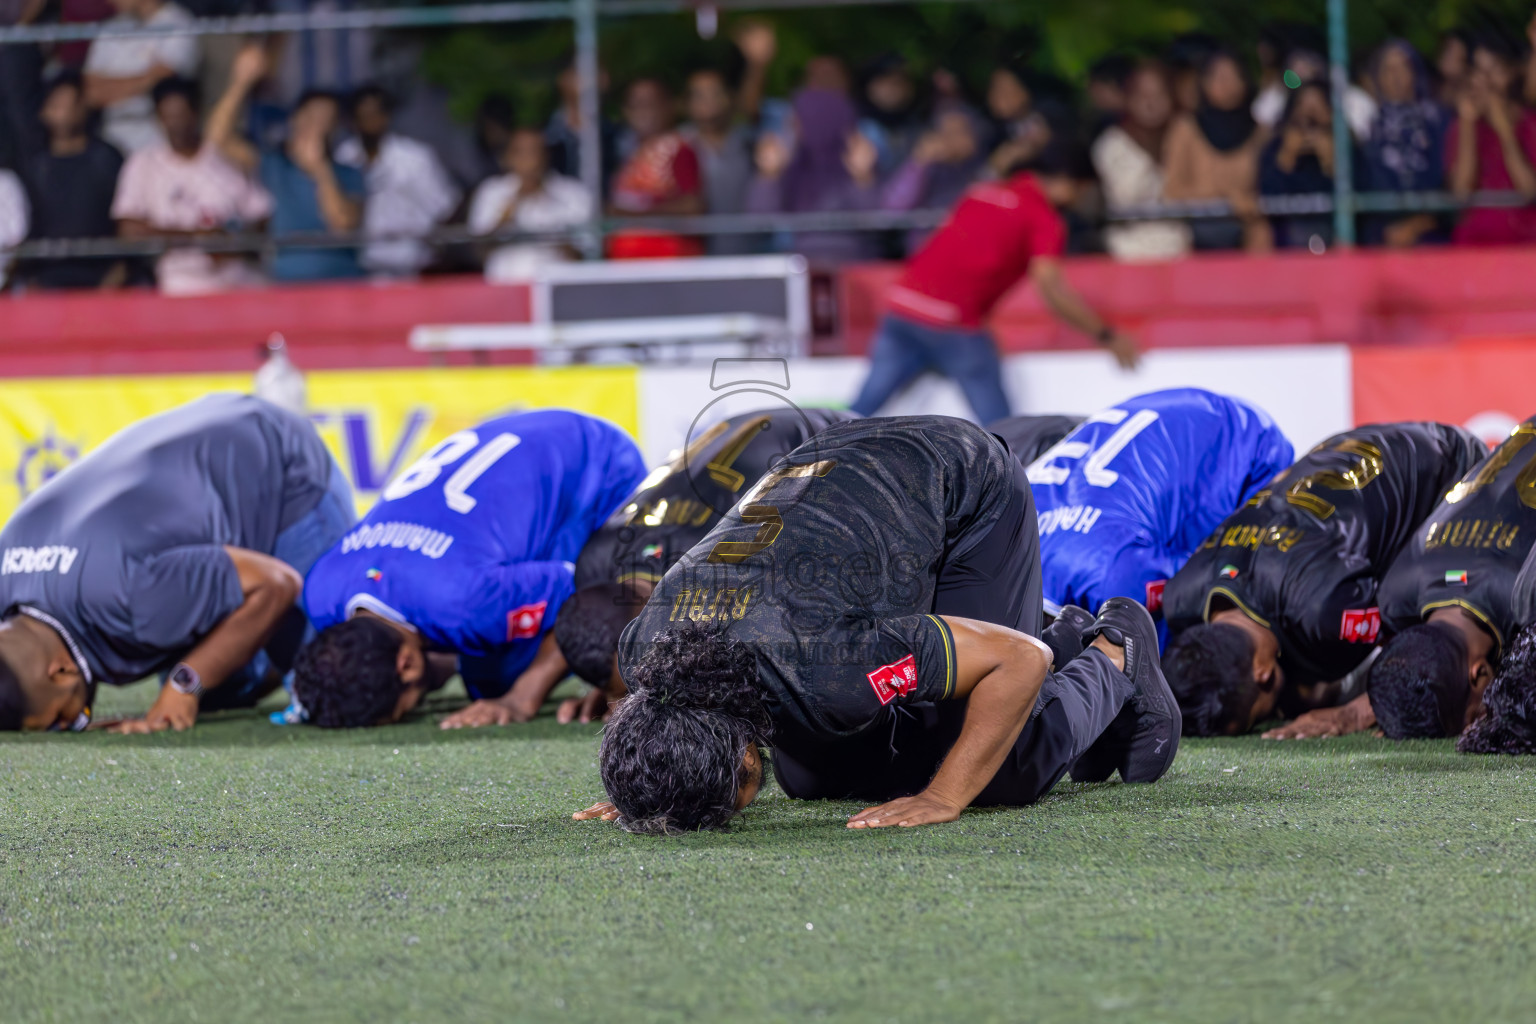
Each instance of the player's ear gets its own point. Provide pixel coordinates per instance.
(1266, 676)
(1480, 675)
(411, 663)
(64, 673)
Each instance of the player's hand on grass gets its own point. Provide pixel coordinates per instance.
(926, 808)
(592, 706)
(1313, 725)
(171, 710)
(485, 712)
(602, 809)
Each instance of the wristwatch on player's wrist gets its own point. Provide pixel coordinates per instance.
(184, 679)
(1104, 335)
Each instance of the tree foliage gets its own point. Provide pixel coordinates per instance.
(1053, 38)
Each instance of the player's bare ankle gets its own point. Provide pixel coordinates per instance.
(1114, 652)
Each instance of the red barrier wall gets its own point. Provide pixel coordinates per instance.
(1481, 382)
(332, 325)
(1424, 297)
(1421, 297)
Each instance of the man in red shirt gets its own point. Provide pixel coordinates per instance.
(660, 177)
(998, 233)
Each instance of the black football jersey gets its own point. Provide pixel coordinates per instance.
(678, 503)
(1304, 556)
(828, 569)
(1471, 549)
(1523, 600)
(1030, 437)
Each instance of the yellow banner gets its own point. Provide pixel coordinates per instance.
(375, 421)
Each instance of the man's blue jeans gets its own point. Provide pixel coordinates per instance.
(301, 545)
(904, 350)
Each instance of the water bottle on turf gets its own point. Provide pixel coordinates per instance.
(294, 713)
(280, 382)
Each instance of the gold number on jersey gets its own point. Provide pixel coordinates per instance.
(719, 468)
(1503, 455)
(1367, 467)
(732, 551)
(772, 523)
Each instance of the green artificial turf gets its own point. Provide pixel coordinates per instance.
(244, 872)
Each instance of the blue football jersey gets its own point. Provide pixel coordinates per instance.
(1127, 497)
(474, 544)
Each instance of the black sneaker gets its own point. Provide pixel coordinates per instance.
(1065, 636)
(1144, 737)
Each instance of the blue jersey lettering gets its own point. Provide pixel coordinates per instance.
(480, 532)
(1127, 497)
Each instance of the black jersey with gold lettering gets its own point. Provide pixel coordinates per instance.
(828, 568)
(678, 503)
(1305, 556)
(1030, 437)
(1523, 600)
(1471, 549)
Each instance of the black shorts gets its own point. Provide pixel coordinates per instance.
(998, 579)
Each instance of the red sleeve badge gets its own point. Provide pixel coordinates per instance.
(897, 679)
(1155, 595)
(1360, 625)
(523, 623)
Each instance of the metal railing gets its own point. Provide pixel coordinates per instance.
(758, 224)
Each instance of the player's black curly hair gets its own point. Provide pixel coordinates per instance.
(1210, 669)
(346, 678)
(672, 753)
(588, 627)
(13, 701)
(1418, 686)
(1508, 724)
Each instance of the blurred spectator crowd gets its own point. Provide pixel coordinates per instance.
(201, 141)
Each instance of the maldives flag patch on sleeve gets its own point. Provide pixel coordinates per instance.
(1360, 625)
(523, 623)
(897, 679)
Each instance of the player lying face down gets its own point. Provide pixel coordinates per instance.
(1449, 603)
(177, 547)
(469, 552)
(1128, 495)
(671, 511)
(1279, 604)
(868, 610)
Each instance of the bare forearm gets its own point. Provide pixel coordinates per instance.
(996, 713)
(221, 128)
(235, 641)
(1464, 167)
(103, 91)
(339, 212)
(533, 686)
(1520, 173)
(1178, 179)
(1358, 714)
(1071, 308)
(749, 97)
